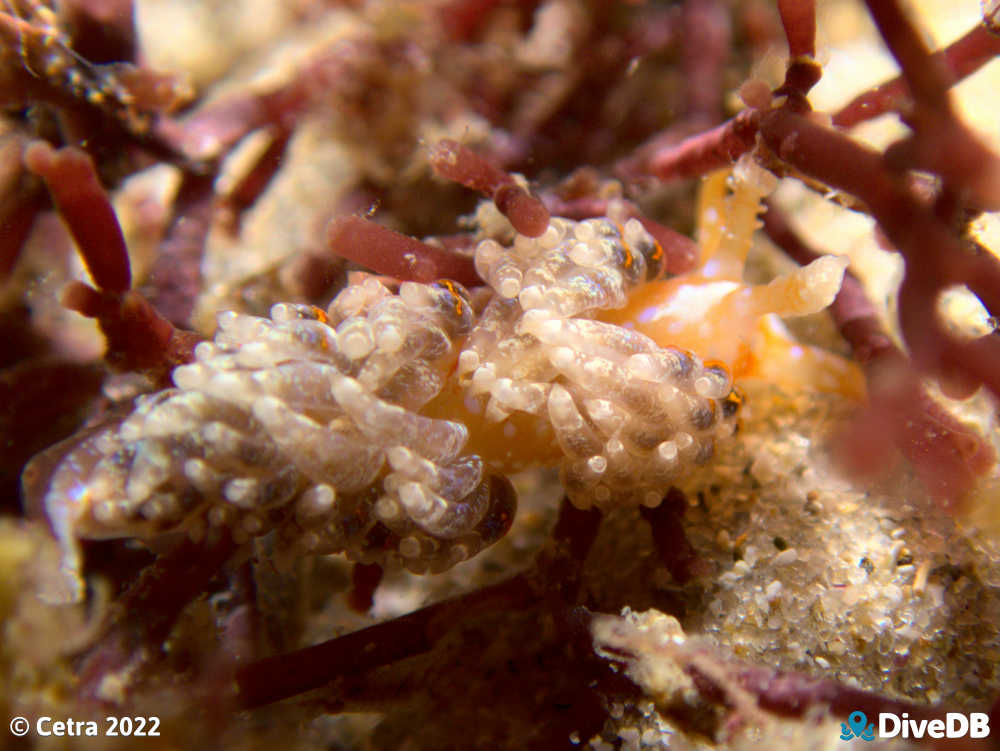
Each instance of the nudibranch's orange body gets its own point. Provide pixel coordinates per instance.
(713, 312)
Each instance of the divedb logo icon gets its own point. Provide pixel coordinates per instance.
(857, 727)
(891, 725)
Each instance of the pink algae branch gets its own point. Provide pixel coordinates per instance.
(940, 142)
(78, 196)
(396, 254)
(925, 79)
(138, 337)
(962, 58)
(454, 161)
(799, 21)
(708, 151)
(935, 256)
(724, 144)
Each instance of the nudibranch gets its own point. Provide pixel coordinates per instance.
(383, 426)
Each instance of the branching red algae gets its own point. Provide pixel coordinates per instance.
(713, 149)
(963, 57)
(799, 21)
(456, 162)
(935, 256)
(940, 143)
(138, 337)
(174, 281)
(387, 252)
(708, 151)
(81, 201)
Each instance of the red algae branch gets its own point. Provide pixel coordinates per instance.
(395, 254)
(138, 337)
(81, 201)
(454, 161)
(963, 57)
